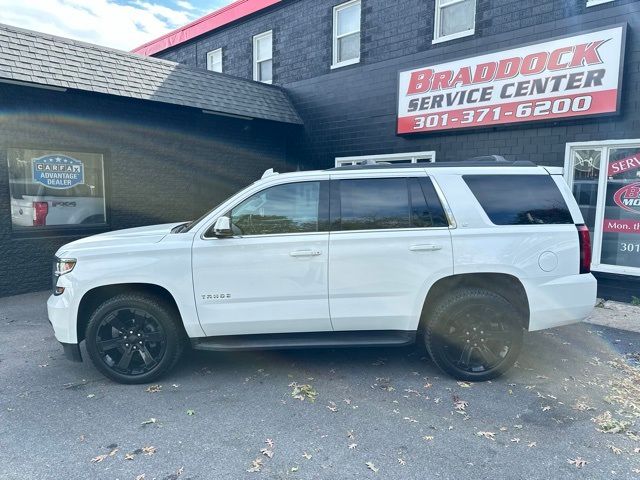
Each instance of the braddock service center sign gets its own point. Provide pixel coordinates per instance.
(58, 171)
(566, 77)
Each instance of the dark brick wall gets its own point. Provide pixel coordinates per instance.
(351, 110)
(163, 164)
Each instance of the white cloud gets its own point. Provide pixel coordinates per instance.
(186, 5)
(103, 22)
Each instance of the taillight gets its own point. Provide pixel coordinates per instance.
(40, 210)
(585, 248)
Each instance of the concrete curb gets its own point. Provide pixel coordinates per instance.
(622, 316)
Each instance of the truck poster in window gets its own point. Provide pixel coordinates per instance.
(58, 171)
(621, 222)
(563, 78)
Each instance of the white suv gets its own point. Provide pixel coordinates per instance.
(461, 256)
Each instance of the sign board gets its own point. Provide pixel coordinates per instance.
(563, 78)
(58, 171)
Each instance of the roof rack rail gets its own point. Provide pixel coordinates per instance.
(483, 161)
(487, 158)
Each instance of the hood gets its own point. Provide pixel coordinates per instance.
(129, 236)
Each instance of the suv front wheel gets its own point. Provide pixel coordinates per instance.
(474, 334)
(134, 338)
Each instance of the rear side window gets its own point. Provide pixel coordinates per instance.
(520, 199)
(374, 203)
(386, 203)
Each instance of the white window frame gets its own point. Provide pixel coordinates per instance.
(606, 146)
(437, 38)
(429, 156)
(256, 71)
(593, 3)
(336, 37)
(210, 56)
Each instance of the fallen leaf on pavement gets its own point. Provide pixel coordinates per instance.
(256, 466)
(269, 443)
(99, 458)
(140, 477)
(129, 456)
(401, 461)
(266, 452)
(372, 467)
(578, 462)
(153, 388)
(352, 446)
(489, 435)
(427, 437)
(464, 384)
(615, 449)
(150, 421)
(307, 456)
(191, 413)
(149, 450)
(302, 392)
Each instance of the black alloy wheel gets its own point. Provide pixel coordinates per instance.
(130, 341)
(134, 338)
(474, 335)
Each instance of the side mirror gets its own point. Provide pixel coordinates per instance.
(222, 227)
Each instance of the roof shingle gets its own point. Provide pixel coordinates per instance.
(72, 64)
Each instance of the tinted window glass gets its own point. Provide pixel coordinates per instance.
(426, 209)
(519, 199)
(420, 214)
(290, 208)
(374, 203)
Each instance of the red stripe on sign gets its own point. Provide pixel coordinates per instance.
(564, 106)
(621, 226)
(625, 165)
(217, 19)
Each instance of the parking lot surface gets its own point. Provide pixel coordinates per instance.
(568, 410)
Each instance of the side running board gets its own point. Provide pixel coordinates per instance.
(384, 338)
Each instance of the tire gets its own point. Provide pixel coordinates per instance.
(134, 338)
(474, 355)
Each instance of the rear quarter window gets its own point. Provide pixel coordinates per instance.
(519, 199)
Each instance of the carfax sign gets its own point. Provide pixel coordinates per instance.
(566, 77)
(58, 171)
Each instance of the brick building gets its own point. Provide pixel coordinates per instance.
(361, 78)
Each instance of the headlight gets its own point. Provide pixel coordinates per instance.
(64, 265)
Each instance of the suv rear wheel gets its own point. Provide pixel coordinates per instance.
(474, 334)
(134, 338)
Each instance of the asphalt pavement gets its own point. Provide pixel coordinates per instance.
(378, 413)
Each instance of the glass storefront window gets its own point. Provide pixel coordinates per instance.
(53, 188)
(621, 222)
(606, 183)
(586, 172)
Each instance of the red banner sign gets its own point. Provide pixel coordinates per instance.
(567, 77)
(624, 165)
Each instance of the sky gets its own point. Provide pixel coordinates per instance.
(122, 24)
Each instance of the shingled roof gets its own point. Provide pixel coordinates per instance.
(33, 57)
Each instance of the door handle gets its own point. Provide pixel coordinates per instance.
(305, 253)
(425, 248)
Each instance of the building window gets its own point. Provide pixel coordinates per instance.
(53, 188)
(214, 60)
(605, 179)
(263, 57)
(454, 19)
(346, 34)
(593, 3)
